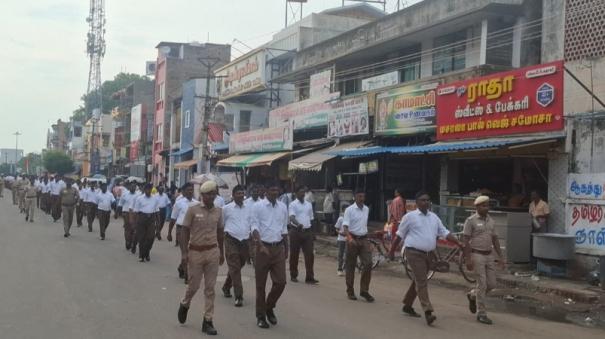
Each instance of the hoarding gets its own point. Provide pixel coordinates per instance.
(406, 110)
(245, 75)
(135, 122)
(380, 81)
(349, 117)
(589, 186)
(304, 114)
(262, 140)
(586, 222)
(320, 84)
(526, 100)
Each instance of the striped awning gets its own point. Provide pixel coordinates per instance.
(185, 164)
(314, 161)
(252, 160)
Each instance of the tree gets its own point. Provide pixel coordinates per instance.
(109, 87)
(58, 162)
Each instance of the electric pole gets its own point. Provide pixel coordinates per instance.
(209, 63)
(16, 134)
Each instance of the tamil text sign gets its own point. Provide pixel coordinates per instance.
(320, 84)
(525, 100)
(304, 114)
(380, 81)
(242, 76)
(349, 117)
(406, 110)
(586, 186)
(262, 140)
(586, 222)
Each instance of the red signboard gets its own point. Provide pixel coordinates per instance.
(525, 100)
(134, 150)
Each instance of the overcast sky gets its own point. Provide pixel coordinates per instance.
(44, 66)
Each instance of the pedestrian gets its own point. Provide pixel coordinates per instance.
(177, 217)
(396, 213)
(55, 196)
(23, 184)
(104, 200)
(355, 225)
(45, 189)
(146, 209)
(539, 211)
(1, 186)
(480, 241)
(90, 199)
(286, 197)
(30, 194)
(203, 232)
(69, 199)
(328, 205)
(237, 232)
(301, 236)
(80, 210)
(117, 191)
(419, 231)
(341, 240)
(269, 220)
(126, 203)
(15, 190)
(163, 203)
(38, 186)
(255, 196)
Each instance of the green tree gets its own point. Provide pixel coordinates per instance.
(109, 87)
(58, 162)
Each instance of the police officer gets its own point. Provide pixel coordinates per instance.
(69, 198)
(30, 193)
(480, 241)
(203, 231)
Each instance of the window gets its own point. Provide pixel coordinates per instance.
(106, 138)
(187, 119)
(161, 91)
(77, 131)
(449, 52)
(244, 121)
(229, 122)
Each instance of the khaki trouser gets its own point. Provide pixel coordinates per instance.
(275, 264)
(236, 255)
(202, 265)
(104, 217)
(485, 273)
(14, 193)
(30, 207)
(420, 264)
(21, 197)
(68, 217)
(301, 240)
(360, 248)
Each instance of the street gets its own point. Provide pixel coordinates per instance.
(82, 287)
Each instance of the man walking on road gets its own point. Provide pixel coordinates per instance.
(104, 201)
(90, 199)
(301, 236)
(177, 217)
(55, 196)
(126, 203)
(69, 199)
(163, 203)
(419, 230)
(203, 231)
(146, 209)
(30, 202)
(79, 205)
(236, 216)
(269, 220)
(480, 241)
(355, 224)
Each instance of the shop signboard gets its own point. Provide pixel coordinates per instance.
(320, 84)
(243, 76)
(586, 186)
(380, 81)
(308, 113)
(273, 139)
(135, 122)
(349, 117)
(587, 223)
(525, 100)
(368, 167)
(406, 110)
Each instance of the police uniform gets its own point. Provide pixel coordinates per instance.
(69, 198)
(146, 209)
(30, 202)
(204, 225)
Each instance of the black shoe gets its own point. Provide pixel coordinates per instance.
(159, 237)
(133, 249)
(26, 219)
(226, 292)
(262, 322)
(182, 314)
(102, 236)
(271, 317)
(369, 298)
(311, 281)
(147, 258)
(239, 302)
(472, 303)
(409, 310)
(294, 279)
(181, 272)
(351, 296)
(127, 247)
(208, 327)
(482, 318)
(65, 235)
(430, 318)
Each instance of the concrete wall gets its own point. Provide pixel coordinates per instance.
(553, 30)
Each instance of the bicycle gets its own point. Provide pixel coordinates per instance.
(380, 243)
(454, 254)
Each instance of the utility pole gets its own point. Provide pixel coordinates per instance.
(16, 134)
(209, 63)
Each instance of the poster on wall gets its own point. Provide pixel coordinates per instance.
(135, 122)
(586, 186)
(586, 222)
(349, 117)
(525, 100)
(406, 110)
(245, 75)
(380, 81)
(304, 114)
(320, 84)
(273, 139)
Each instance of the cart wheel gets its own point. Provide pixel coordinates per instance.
(377, 255)
(468, 275)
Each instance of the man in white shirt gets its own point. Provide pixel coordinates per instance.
(163, 203)
(419, 230)
(146, 209)
(55, 195)
(45, 189)
(126, 203)
(80, 207)
(328, 205)
(237, 232)
(254, 196)
(90, 199)
(104, 200)
(269, 220)
(301, 236)
(355, 225)
(177, 217)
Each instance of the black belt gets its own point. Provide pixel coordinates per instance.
(481, 252)
(273, 244)
(232, 238)
(416, 250)
(358, 237)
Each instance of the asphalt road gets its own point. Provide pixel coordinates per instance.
(82, 287)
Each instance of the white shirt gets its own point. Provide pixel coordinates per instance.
(57, 187)
(271, 221)
(180, 209)
(237, 220)
(302, 212)
(219, 201)
(127, 200)
(163, 200)
(146, 204)
(339, 228)
(250, 201)
(90, 196)
(75, 185)
(104, 201)
(45, 187)
(420, 231)
(356, 219)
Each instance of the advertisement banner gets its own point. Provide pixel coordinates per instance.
(349, 117)
(525, 100)
(320, 84)
(406, 110)
(586, 222)
(135, 123)
(304, 114)
(245, 75)
(380, 81)
(134, 151)
(586, 186)
(262, 140)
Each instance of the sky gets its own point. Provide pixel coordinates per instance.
(44, 67)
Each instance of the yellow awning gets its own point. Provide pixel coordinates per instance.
(185, 164)
(314, 161)
(252, 160)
